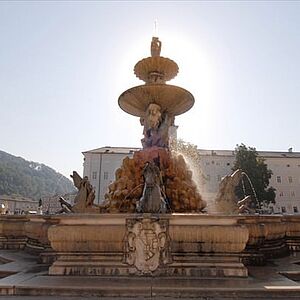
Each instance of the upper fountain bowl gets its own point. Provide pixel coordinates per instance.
(156, 69)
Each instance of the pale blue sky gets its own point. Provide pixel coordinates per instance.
(64, 64)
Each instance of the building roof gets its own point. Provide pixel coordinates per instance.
(279, 154)
(204, 152)
(16, 198)
(266, 154)
(109, 149)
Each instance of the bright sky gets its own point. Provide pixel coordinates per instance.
(63, 65)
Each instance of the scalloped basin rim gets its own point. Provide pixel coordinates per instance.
(181, 219)
(173, 99)
(160, 64)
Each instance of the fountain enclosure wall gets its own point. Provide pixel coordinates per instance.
(152, 223)
(182, 244)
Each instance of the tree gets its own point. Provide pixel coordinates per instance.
(247, 159)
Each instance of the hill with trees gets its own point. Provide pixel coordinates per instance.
(30, 179)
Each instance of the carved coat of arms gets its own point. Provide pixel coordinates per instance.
(147, 244)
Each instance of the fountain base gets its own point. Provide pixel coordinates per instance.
(178, 245)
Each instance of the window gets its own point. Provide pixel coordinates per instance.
(217, 163)
(290, 179)
(292, 194)
(208, 177)
(207, 163)
(288, 165)
(283, 209)
(219, 178)
(94, 175)
(105, 175)
(281, 194)
(212, 162)
(278, 179)
(295, 208)
(228, 164)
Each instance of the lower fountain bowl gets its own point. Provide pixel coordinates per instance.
(172, 99)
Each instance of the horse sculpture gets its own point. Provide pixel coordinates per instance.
(152, 200)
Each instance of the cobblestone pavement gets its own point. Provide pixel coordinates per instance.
(132, 298)
(279, 279)
(49, 298)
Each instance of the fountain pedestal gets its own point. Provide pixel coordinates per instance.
(154, 181)
(175, 245)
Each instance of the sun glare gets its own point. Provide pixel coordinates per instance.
(196, 74)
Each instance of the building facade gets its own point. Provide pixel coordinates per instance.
(17, 204)
(100, 166)
(285, 166)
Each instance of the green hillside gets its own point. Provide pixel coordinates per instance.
(30, 179)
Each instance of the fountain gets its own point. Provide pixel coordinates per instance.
(152, 223)
(156, 104)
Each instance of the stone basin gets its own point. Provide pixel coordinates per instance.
(173, 99)
(193, 245)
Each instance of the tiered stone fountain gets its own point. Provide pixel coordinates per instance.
(156, 104)
(153, 222)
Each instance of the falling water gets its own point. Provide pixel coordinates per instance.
(252, 188)
(192, 158)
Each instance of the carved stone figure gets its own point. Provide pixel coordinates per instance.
(155, 47)
(244, 205)
(84, 199)
(156, 127)
(147, 244)
(226, 200)
(152, 200)
(66, 207)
